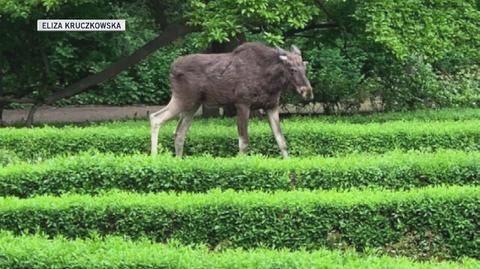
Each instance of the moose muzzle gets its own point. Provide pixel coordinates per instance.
(306, 92)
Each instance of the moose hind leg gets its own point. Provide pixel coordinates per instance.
(274, 121)
(243, 113)
(157, 119)
(182, 127)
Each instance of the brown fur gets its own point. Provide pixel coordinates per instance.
(252, 76)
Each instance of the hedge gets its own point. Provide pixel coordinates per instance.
(420, 115)
(305, 137)
(444, 114)
(94, 172)
(437, 221)
(114, 252)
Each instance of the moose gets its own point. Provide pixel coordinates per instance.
(250, 77)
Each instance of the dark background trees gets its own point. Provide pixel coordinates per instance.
(400, 54)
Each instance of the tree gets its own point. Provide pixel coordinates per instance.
(46, 87)
(396, 30)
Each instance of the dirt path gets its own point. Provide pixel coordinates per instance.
(92, 113)
(48, 114)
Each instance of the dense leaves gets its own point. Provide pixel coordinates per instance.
(94, 173)
(274, 203)
(40, 253)
(444, 219)
(221, 20)
(56, 60)
(399, 54)
(305, 137)
(429, 28)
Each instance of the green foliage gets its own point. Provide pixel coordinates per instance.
(409, 85)
(305, 137)
(445, 114)
(94, 173)
(335, 79)
(61, 59)
(462, 87)
(13, 9)
(8, 157)
(295, 219)
(395, 51)
(115, 252)
(430, 28)
(222, 19)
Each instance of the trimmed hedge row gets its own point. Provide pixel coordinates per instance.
(94, 173)
(421, 115)
(444, 114)
(114, 252)
(306, 137)
(439, 221)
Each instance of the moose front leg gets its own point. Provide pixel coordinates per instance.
(243, 112)
(274, 120)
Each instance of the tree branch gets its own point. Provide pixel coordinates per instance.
(313, 26)
(171, 33)
(8, 100)
(321, 4)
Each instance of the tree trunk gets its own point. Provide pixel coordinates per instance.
(2, 104)
(2, 123)
(31, 114)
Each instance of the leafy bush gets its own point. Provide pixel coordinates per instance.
(8, 157)
(463, 86)
(305, 137)
(444, 114)
(410, 85)
(335, 79)
(96, 173)
(148, 81)
(62, 59)
(115, 252)
(295, 219)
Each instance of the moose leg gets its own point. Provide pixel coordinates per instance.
(274, 120)
(243, 112)
(158, 118)
(181, 131)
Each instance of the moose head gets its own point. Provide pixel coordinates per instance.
(295, 69)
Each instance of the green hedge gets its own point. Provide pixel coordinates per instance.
(444, 114)
(93, 173)
(305, 137)
(440, 221)
(37, 252)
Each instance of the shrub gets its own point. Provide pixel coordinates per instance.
(295, 219)
(445, 114)
(8, 157)
(462, 87)
(305, 137)
(95, 173)
(115, 252)
(336, 80)
(410, 85)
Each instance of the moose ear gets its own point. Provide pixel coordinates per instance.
(282, 54)
(295, 50)
(280, 51)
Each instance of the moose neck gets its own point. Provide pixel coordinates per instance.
(277, 79)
